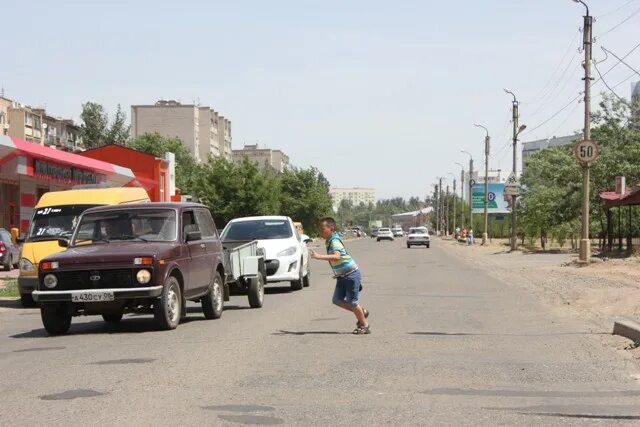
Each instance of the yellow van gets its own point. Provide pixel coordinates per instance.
(55, 217)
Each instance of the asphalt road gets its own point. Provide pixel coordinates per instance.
(450, 345)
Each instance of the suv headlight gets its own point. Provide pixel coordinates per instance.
(26, 266)
(50, 281)
(288, 252)
(143, 277)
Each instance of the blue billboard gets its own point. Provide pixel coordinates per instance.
(497, 203)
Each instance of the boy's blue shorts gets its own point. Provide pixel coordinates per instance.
(348, 289)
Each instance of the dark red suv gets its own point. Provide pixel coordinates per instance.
(149, 257)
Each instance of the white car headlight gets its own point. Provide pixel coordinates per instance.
(143, 277)
(50, 281)
(26, 266)
(288, 252)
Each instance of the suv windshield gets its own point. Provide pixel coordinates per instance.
(146, 225)
(55, 222)
(262, 229)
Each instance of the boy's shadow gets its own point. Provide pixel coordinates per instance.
(283, 332)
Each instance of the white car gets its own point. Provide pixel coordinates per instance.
(384, 234)
(397, 232)
(418, 236)
(286, 253)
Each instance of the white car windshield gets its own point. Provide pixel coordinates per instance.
(418, 231)
(385, 230)
(259, 229)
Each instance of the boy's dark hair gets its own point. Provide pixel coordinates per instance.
(330, 222)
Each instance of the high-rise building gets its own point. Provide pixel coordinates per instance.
(202, 131)
(263, 157)
(355, 195)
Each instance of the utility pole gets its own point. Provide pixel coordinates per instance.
(587, 33)
(455, 196)
(447, 208)
(470, 183)
(461, 194)
(516, 130)
(487, 142)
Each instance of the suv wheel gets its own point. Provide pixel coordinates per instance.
(212, 305)
(8, 265)
(168, 307)
(296, 285)
(256, 292)
(55, 318)
(306, 282)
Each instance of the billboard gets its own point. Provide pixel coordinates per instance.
(497, 203)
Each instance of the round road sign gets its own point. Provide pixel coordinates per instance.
(586, 151)
(491, 197)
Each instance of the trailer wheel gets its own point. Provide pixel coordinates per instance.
(256, 292)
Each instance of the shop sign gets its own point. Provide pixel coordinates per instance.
(66, 173)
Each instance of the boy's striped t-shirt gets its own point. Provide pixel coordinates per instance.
(345, 264)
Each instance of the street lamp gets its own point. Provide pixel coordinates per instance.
(516, 131)
(487, 141)
(461, 193)
(470, 188)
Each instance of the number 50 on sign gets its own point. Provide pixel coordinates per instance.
(586, 151)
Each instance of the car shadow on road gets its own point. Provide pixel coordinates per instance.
(277, 290)
(14, 303)
(129, 325)
(283, 332)
(466, 334)
(198, 310)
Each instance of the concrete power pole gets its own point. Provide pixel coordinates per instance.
(485, 234)
(585, 242)
(447, 209)
(455, 196)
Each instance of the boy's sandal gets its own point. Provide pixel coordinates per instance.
(362, 330)
(366, 316)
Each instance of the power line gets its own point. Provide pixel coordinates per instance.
(543, 92)
(637, 11)
(605, 82)
(611, 12)
(621, 60)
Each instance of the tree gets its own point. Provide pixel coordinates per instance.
(305, 197)
(118, 133)
(94, 127)
(233, 190)
(158, 145)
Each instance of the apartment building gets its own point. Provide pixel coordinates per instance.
(202, 131)
(356, 195)
(62, 134)
(264, 157)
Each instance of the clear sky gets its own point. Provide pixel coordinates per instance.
(374, 93)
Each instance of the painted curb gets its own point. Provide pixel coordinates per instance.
(628, 329)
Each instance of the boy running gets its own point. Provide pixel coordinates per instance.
(347, 274)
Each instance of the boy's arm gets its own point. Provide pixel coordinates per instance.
(335, 256)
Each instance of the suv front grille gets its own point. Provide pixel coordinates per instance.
(102, 279)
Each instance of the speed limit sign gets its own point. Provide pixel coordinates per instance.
(586, 151)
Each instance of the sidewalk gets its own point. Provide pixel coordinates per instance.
(599, 293)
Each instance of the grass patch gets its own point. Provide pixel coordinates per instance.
(10, 288)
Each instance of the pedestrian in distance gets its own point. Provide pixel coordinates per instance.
(347, 274)
(470, 237)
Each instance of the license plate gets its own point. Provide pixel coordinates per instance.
(91, 296)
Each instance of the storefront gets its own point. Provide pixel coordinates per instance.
(156, 175)
(28, 170)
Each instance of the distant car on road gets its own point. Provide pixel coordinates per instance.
(374, 233)
(397, 232)
(418, 236)
(140, 258)
(9, 251)
(384, 234)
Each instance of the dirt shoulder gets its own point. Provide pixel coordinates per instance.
(599, 293)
